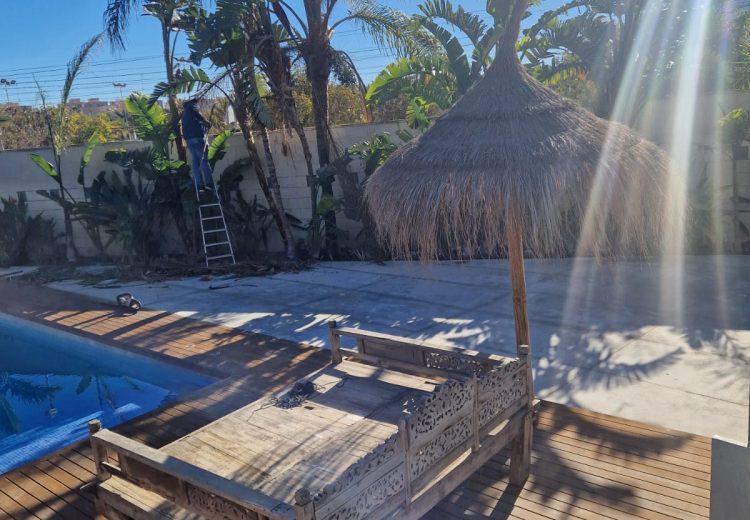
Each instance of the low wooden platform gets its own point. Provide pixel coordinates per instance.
(277, 450)
(584, 465)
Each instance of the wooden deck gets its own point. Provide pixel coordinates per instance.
(584, 465)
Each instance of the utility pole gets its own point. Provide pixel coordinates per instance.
(120, 85)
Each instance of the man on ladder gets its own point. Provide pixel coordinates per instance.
(195, 129)
(217, 245)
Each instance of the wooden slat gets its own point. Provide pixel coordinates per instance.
(191, 474)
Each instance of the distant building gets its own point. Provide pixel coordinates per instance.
(13, 106)
(94, 106)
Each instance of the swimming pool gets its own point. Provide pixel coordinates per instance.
(53, 383)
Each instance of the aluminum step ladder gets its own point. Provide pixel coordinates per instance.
(217, 245)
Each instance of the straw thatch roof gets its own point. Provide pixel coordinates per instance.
(575, 179)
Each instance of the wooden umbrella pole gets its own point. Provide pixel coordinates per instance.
(520, 454)
(517, 278)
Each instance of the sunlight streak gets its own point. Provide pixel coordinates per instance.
(656, 31)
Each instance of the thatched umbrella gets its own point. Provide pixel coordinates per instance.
(514, 163)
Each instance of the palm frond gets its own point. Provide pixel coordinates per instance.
(74, 68)
(551, 15)
(468, 23)
(116, 17)
(28, 392)
(390, 29)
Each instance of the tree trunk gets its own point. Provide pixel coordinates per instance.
(252, 151)
(273, 182)
(318, 71)
(174, 114)
(291, 117)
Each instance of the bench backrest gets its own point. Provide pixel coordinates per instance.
(411, 355)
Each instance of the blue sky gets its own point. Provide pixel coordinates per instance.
(38, 37)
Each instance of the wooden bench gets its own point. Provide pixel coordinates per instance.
(393, 426)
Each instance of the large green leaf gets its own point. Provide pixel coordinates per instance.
(46, 166)
(218, 147)
(427, 78)
(148, 118)
(86, 157)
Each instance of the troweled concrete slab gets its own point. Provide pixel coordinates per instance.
(663, 343)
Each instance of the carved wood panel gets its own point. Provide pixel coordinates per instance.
(377, 494)
(435, 450)
(498, 390)
(440, 409)
(215, 506)
(366, 465)
(455, 362)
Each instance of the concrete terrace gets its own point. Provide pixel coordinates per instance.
(664, 346)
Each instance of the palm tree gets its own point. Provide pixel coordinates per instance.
(55, 122)
(310, 32)
(439, 78)
(169, 13)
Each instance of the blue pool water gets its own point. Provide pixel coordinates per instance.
(52, 383)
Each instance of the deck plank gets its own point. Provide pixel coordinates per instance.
(585, 465)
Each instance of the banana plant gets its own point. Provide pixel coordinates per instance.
(153, 190)
(441, 77)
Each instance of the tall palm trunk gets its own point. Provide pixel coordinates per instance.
(273, 181)
(281, 88)
(318, 71)
(174, 114)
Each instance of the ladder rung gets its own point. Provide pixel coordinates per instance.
(209, 258)
(211, 218)
(220, 230)
(209, 205)
(218, 244)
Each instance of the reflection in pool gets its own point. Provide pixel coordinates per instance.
(52, 383)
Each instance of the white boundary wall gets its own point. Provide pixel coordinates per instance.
(19, 174)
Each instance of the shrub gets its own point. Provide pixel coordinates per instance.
(25, 239)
